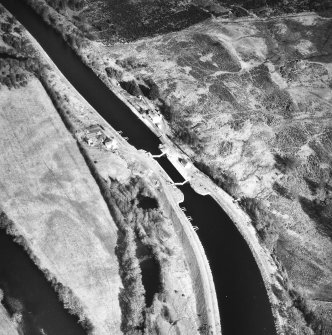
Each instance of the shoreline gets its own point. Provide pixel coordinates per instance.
(249, 233)
(174, 197)
(242, 221)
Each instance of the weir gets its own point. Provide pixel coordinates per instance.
(242, 298)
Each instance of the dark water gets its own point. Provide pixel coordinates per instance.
(150, 271)
(28, 292)
(240, 290)
(243, 302)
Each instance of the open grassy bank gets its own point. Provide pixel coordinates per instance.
(60, 222)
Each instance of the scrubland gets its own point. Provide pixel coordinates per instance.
(250, 104)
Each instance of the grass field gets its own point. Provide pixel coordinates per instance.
(47, 190)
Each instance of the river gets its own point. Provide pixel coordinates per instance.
(28, 293)
(242, 298)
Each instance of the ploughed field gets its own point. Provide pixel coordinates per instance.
(249, 100)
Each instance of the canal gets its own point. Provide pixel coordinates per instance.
(242, 298)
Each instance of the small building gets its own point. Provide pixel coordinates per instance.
(111, 144)
(157, 119)
(156, 183)
(94, 139)
(94, 129)
(90, 141)
(94, 135)
(184, 162)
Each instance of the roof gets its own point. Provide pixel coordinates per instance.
(94, 128)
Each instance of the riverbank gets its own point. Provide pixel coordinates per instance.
(263, 258)
(179, 296)
(194, 251)
(240, 119)
(61, 226)
(203, 185)
(204, 297)
(8, 326)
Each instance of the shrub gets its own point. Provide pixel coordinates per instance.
(264, 221)
(281, 190)
(132, 296)
(320, 213)
(284, 163)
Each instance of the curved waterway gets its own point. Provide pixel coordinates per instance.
(242, 298)
(29, 294)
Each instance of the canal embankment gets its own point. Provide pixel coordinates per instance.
(151, 144)
(205, 186)
(170, 197)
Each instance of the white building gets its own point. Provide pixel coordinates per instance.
(111, 144)
(157, 119)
